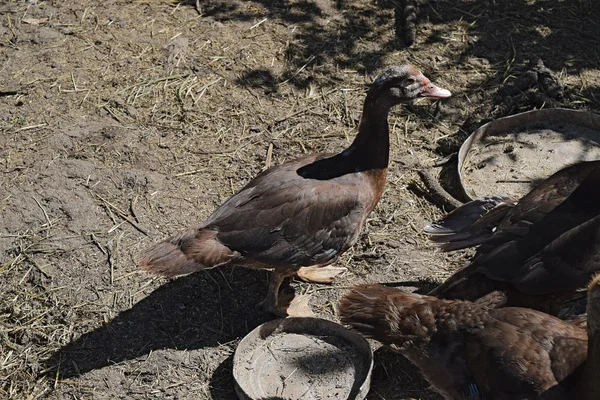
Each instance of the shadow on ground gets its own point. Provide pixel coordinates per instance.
(393, 373)
(342, 34)
(204, 309)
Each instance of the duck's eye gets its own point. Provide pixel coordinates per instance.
(409, 81)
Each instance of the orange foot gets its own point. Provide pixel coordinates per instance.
(320, 274)
(288, 304)
(299, 307)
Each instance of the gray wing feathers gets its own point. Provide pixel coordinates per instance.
(470, 224)
(308, 225)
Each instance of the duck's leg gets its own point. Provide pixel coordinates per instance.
(318, 274)
(269, 304)
(297, 306)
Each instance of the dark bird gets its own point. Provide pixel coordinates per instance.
(539, 250)
(304, 213)
(469, 351)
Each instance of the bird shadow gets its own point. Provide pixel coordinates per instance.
(393, 373)
(204, 309)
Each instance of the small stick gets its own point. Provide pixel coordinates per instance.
(224, 278)
(27, 128)
(111, 230)
(155, 81)
(111, 112)
(123, 215)
(269, 156)
(97, 243)
(109, 251)
(513, 181)
(438, 193)
(190, 172)
(132, 203)
(315, 289)
(293, 114)
(38, 266)
(44, 211)
(259, 23)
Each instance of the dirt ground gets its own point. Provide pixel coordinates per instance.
(125, 121)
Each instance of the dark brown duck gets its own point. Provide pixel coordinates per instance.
(539, 250)
(469, 351)
(303, 213)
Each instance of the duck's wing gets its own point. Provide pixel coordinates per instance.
(544, 202)
(566, 264)
(283, 219)
(468, 284)
(470, 224)
(560, 246)
(495, 220)
(542, 256)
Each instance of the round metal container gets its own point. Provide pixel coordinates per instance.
(512, 155)
(302, 358)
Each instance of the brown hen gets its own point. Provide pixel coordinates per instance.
(469, 351)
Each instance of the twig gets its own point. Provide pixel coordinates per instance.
(44, 211)
(513, 181)
(111, 112)
(190, 172)
(132, 203)
(259, 23)
(314, 289)
(204, 88)
(97, 243)
(27, 128)
(293, 114)
(439, 194)
(269, 156)
(155, 81)
(224, 278)
(111, 230)
(219, 292)
(123, 215)
(111, 262)
(38, 266)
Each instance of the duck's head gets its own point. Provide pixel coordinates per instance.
(593, 305)
(401, 84)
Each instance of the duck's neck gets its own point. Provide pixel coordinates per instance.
(589, 384)
(371, 147)
(368, 154)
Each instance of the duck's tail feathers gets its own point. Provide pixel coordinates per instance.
(191, 251)
(470, 224)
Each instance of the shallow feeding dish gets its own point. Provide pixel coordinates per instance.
(512, 155)
(302, 358)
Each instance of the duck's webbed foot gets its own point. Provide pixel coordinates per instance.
(316, 274)
(286, 303)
